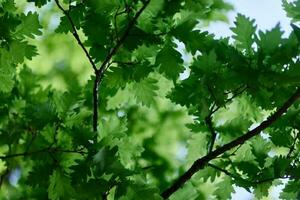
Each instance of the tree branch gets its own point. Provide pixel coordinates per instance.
(44, 150)
(99, 73)
(201, 162)
(242, 179)
(75, 34)
(235, 93)
(214, 108)
(208, 121)
(292, 148)
(96, 102)
(105, 65)
(115, 49)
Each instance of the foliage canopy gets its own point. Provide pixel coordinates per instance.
(129, 99)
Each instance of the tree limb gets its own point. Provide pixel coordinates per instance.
(201, 162)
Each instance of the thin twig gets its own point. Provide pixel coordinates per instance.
(105, 65)
(293, 146)
(233, 153)
(214, 108)
(201, 162)
(125, 63)
(115, 24)
(230, 99)
(115, 49)
(75, 34)
(225, 172)
(213, 133)
(44, 150)
(237, 177)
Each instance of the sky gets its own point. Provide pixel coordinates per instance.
(267, 14)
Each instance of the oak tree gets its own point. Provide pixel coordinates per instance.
(130, 99)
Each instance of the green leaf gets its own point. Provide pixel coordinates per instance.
(278, 139)
(144, 91)
(197, 146)
(60, 186)
(261, 190)
(8, 24)
(96, 27)
(140, 192)
(22, 50)
(248, 167)
(193, 39)
(207, 63)
(63, 102)
(224, 189)
(145, 52)
(64, 25)
(296, 30)
(39, 3)
(104, 6)
(260, 149)
(29, 27)
(107, 162)
(75, 119)
(77, 15)
(139, 37)
(187, 192)
(125, 73)
(280, 166)
(67, 161)
(291, 191)
(270, 40)
(6, 79)
(169, 61)
(208, 173)
(41, 114)
(147, 18)
(92, 188)
(292, 9)
(244, 31)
